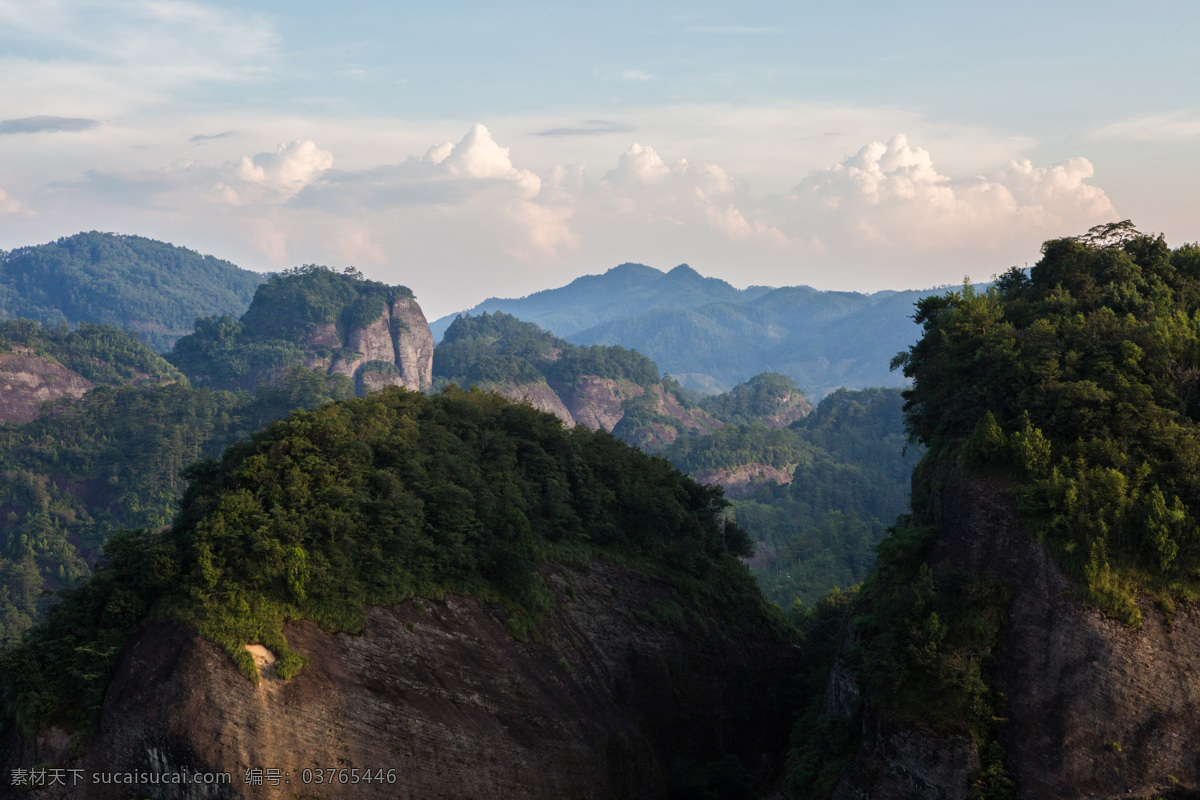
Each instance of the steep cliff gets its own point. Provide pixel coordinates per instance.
(424, 584)
(612, 702)
(1035, 613)
(373, 334)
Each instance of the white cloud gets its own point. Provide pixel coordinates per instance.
(280, 174)
(464, 217)
(890, 196)
(107, 57)
(7, 204)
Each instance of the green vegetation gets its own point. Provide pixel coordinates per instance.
(496, 349)
(374, 501)
(273, 334)
(712, 336)
(850, 476)
(1080, 384)
(150, 287)
(762, 397)
(101, 353)
(1075, 388)
(113, 460)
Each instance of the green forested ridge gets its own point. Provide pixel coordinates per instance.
(372, 501)
(499, 348)
(153, 288)
(759, 399)
(1074, 386)
(112, 460)
(225, 353)
(1080, 381)
(101, 353)
(850, 478)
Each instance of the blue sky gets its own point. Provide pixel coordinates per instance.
(473, 149)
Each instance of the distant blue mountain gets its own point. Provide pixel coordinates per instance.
(624, 291)
(711, 336)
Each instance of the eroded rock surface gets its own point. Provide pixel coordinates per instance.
(27, 381)
(440, 693)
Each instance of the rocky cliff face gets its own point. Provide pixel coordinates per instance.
(744, 480)
(1094, 708)
(613, 703)
(394, 350)
(27, 381)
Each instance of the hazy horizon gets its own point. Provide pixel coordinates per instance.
(475, 151)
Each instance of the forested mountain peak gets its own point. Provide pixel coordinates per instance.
(313, 316)
(140, 284)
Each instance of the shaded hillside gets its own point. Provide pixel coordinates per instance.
(823, 340)
(669, 675)
(1028, 630)
(314, 317)
(602, 388)
(624, 291)
(817, 495)
(108, 461)
(142, 285)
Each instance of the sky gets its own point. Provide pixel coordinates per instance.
(472, 149)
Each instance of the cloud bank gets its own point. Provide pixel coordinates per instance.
(464, 216)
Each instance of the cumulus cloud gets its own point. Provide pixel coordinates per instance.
(44, 124)
(465, 213)
(278, 175)
(891, 196)
(7, 204)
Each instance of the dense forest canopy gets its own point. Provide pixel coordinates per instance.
(134, 283)
(499, 348)
(1082, 380)
(372, 501)
(849, 468)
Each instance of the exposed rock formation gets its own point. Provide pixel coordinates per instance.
(399, 339)
(598, 403)
(541, 397)
(743, 480)
(413, 343)
(609, 705)
(27, 381)
(1095, 709)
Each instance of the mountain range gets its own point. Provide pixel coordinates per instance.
(709, 335)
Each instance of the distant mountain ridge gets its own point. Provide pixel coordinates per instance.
(623, 291)
(710, 335)
(135, 283)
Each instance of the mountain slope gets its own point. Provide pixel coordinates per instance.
(710, 336)
(602, 388)
(669, 675)
(142, 285)
(40, 365)
(624, 291)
